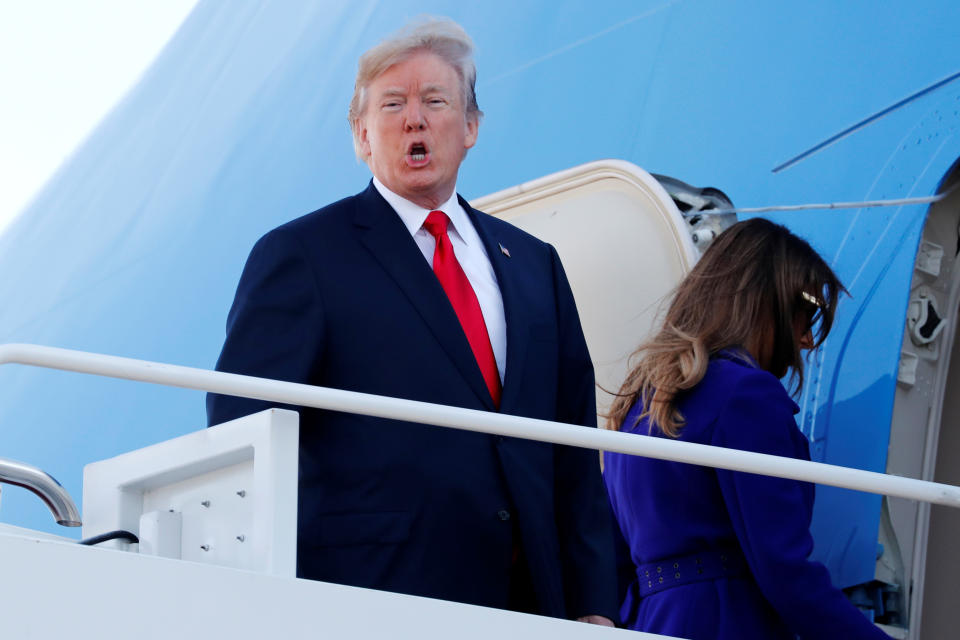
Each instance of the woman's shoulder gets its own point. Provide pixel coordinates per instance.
(733, 382)
(734, 372)
(751, 409)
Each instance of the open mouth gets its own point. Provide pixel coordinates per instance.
(418, 152)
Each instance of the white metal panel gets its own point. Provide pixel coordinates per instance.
(234, 488)
(13, 530)
(624, 246)
(102, 593)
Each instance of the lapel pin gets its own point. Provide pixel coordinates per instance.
(504, 250)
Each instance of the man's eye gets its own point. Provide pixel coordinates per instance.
(392, 105)
(436, 102)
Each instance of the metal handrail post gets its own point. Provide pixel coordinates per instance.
(45, 486)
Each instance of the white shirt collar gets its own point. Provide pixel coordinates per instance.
(413, 215)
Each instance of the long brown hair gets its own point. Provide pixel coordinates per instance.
(756, 278)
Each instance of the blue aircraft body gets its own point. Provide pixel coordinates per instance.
(135, 247)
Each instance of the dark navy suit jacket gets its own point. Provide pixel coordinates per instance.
(343, 298)
(670, 509)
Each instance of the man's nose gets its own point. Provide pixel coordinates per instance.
(414, 119)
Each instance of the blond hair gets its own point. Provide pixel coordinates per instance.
(440, 36)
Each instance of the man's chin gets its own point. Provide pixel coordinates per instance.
(426, 189)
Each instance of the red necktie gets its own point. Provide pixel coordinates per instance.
(464, 300)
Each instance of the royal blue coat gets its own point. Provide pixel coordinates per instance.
(668, 510)
(343, 298)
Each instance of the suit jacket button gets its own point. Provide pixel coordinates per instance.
(503, 514)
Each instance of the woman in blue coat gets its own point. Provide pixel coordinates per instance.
(721, 554)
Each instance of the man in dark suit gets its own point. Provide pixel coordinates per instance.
(404, 290)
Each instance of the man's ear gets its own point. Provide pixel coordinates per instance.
(473, 127)
(361, 128)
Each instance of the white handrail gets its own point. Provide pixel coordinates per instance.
(472, 420)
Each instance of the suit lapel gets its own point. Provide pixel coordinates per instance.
(515, 309)
(382, 232)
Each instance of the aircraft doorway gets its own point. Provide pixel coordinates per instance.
(919, 542)
(942, 566)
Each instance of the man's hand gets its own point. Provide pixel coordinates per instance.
(595, 619)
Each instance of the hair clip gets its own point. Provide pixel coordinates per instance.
(811, 299)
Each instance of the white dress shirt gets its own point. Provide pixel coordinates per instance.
(471, 255)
